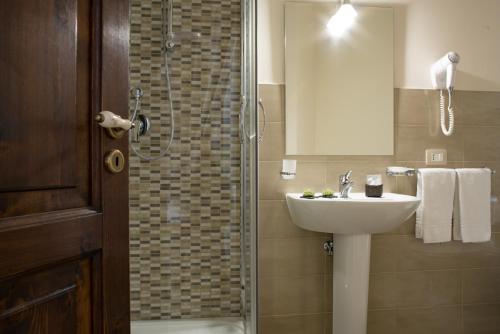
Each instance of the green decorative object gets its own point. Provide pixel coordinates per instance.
(308, 194)
(328, 193)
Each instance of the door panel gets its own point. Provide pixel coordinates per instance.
(43, 243)
(63, 217)
(49, 79)
(55, 300)
(45, 90)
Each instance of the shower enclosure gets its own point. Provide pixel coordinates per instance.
(193, 166)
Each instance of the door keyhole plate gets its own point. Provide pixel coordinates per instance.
(114, 161)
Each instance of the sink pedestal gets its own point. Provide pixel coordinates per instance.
(351, 272)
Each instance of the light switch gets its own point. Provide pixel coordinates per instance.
(436, 157)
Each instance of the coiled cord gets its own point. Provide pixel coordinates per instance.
(451, 114)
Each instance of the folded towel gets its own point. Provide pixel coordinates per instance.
(435, 189)
(472, 211)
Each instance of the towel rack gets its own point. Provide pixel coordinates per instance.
(404, 171)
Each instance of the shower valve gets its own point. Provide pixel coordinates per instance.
(143, 127)
(170, 45)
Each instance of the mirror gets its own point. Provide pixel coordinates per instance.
(339, 89)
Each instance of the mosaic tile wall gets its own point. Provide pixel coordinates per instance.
(185, 208)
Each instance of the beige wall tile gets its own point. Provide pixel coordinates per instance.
(414, 289)
(328, 293)
(481, 255)
(385, 250)
(382, 322)
(481, 285)
(481, 143)
(272, 147)
(309, 175)
(296, 324)
(368, 159)
(329, 261)
(316, 158)
(417, 106)
(481, 319)
(383, 292)
(415, 255)
(412, 141)
(495, 216)
(291, 257)
(291, 295)
(273, 98)
(428, 288)
(275, 221)
(477, 108)
(436, 320)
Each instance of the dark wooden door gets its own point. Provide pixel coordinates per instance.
(63, 216)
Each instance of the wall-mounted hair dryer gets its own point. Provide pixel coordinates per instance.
(443, 77)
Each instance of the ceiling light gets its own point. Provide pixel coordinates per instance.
(343, 19)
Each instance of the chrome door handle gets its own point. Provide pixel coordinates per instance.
(261, 135)
(243, 130)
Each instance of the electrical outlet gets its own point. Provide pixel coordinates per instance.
(436, 157)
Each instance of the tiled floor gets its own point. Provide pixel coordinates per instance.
(194, 326)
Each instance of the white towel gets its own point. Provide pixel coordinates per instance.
(472, 211)
(435, 189)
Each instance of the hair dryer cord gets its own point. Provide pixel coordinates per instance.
(451, 115)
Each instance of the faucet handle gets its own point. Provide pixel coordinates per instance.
(346, 177)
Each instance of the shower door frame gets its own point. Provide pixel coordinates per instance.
(249, 164)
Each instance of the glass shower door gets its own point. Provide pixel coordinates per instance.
(193, 213)
(249, 147)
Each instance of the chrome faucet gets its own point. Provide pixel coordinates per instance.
(345, 184)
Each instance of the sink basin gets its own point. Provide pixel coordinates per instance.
(357, 214)
(352, 220)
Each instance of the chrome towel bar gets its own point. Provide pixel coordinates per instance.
(404, 171)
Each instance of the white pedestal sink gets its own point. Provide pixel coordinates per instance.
(352, 220)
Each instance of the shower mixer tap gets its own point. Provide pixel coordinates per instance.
(142, 123)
